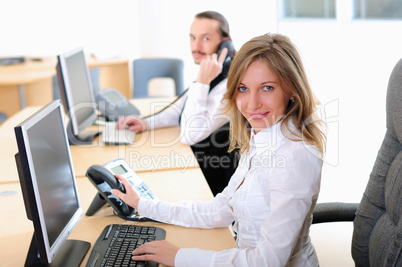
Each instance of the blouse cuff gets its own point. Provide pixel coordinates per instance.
(194, 257)
(143, 206)
(148, 122)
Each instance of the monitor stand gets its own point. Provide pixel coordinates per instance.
(71, 254)
(83, 138)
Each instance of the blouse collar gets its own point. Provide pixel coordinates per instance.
(269, 137)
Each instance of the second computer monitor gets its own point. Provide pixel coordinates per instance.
(77, 95)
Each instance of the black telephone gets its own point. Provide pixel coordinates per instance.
(104, 181)
(102, 177)
(112, 104)
(225, 70)
(229, 56)
(229, 45)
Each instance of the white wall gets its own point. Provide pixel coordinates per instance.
(349, 62)
(349, 65)
(51, 27)
(165, 25)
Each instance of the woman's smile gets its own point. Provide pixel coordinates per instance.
(258, 116)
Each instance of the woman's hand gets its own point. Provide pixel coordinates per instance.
(159, 251)
(131, 197)
(133, 123)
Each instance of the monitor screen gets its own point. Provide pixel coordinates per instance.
(47, 179)
(76, 92)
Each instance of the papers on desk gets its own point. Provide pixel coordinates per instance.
(113, 136)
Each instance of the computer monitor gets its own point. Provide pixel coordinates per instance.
(77, 95)
(49, 188)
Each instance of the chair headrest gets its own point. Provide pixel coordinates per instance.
(394, 101)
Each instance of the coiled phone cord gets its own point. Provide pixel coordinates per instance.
(136, 218)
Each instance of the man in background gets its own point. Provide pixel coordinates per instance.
(199, 112)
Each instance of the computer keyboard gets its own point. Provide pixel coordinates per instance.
(113, 136)
(117, 241)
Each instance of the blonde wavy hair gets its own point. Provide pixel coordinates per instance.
(282, 57)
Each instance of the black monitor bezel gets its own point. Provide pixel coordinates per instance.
(29, 186)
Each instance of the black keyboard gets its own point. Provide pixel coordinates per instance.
(117, 241)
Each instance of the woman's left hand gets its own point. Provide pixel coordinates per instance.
(159, 251)
(131, 197)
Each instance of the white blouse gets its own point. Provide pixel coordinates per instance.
(272, 209)
(201, 113)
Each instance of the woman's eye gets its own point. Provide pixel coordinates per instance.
(268, 88)
(242, 89)
(206, 39)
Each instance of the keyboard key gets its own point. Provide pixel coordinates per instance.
(116, 243)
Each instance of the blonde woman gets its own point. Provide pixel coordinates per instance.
(271, 196)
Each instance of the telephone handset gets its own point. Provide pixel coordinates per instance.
(229, 45)
(228, 60)
(102, 177)
(225, 70)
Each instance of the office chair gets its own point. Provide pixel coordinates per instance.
(94, 73)
(377, 220)
(145, 69)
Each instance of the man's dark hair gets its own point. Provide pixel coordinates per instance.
(223, 23)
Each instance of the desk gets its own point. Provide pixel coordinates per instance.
(16, 230)
(7, 128)
(152, 150)
(146, 106)
(169, 182)
(147, 154)
(30, 83)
